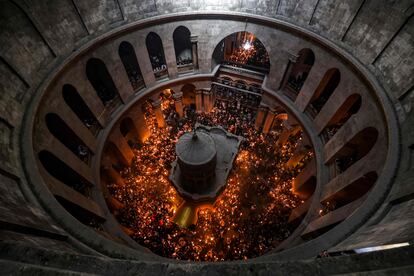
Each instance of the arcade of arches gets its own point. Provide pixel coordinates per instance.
(258, 209)
(312, 176)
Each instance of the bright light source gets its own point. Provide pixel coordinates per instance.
(247, 45)
(381, 247)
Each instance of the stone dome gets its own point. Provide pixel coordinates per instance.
(195, 148)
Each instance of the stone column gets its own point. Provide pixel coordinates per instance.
(139, 122)
(178, 101)
(156, 107)
(269, 120)
(194, 51)
(292, 60)
(261, 113)
(199, 100)
(114, 204)
(287, 132)
(207, 97)
(170, 58)
(297, 156)
(111, 173)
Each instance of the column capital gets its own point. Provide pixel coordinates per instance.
(292, 57)
(194, 39)
(273, 111)
(156, 103)
(177, 96)
(263, 106)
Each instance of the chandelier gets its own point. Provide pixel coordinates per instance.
(245, 50)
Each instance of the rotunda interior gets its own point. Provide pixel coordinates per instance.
(207, 137)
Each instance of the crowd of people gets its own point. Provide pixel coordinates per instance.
(254, 55)
(244, 99)
(184, 61)
(158, 65)
(247, 220)
(296, 82)
(136, 79)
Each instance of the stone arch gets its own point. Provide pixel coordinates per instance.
(63, 172)
(80, 108)
(298, 71)
(349, 107)
(129, 60)
(241, 44)
(182, 46)
(189, 95)
(356, 189)
(62, 132)
(101, 80)
(325, 89)
(355, 149)
(241, 84)
(156, 54)
(117, 158)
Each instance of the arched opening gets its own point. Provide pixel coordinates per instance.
(83, 215)
(117, 158)
(278, 124)
(325, 89)
(182, 47)
(80, 108)
(350, 107)
(256, 88)
(225, 80)
(156, 55)
(63, 173)
(306, 189)
(352, 191)
(242, 49)
(102, 82)
(189, 97)
(297, 72)
(128, 130)
(355, 149)
(129, 60)
(67, 137)
(241, 84)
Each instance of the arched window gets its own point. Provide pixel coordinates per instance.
(298, 72)
(67, 137)
(352, 191)
(129, 60)
(80, 108)
(69, 177)
(182, 47)
(101, 80)
(62, 172)
(350, 107)
(189, 95)
(355, 149)
(156, 55)
(325, 89)
(241, 49)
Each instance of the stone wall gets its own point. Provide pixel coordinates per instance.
(35, 37)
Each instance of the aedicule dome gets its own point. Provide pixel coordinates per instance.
(195, 149)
